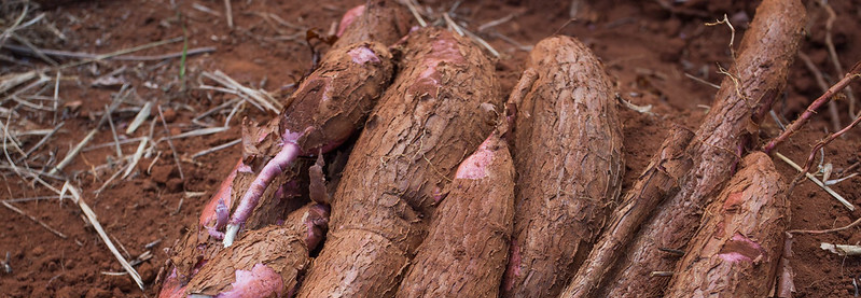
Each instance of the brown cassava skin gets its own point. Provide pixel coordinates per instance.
(440, 108)
(758, 77)
(332, 102)
(660, 177)
(736, 251)
(283, 248)
(568, 154)
(466, 250)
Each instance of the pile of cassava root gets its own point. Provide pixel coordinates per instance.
(399, 169)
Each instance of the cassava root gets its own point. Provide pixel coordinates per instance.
(753, 83)
(568, 154)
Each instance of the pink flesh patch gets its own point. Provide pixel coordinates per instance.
(222, 197)
(326, 95)
(443, 50)
(475, 166)
(446, 49)
(438, 195)
(733, 200)
(172, 288)
(291, 137)
(222, 215)
(261, 281)
(351, 16)
(362, 55)
(741, 249)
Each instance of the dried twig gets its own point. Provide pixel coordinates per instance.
(111, 179)
(646, 109)
(198, 118)
(79, 55)
(74, 152)
(497, 22)
(114, 133)
(42, 79)
(31, 173)
(170, 143)
(195, 133)
(233, 112)
(816, 232)
(412, 7)
(832, 53)
(136, 158)
(140, 117)
(451, 24)
(42, 141)
(6, 266)
(216, 148)
(461, 31)
(816, 181)
(726, 21)
(44, 225)
(122, 52)
(707, 83)
(843, 250)
(80, 146)
(205, 9)
(30, 105)
(822, 144)
(6, 149)
(6, 135)
(15, 25)
(511, 41)
(254, 96)
(109, 144)
(820, 80)
(10, 81)
(22, 200)
(91, 217)
(56, 96)
(777, 120)
(34, 50)
(825, 97)
(228, 11)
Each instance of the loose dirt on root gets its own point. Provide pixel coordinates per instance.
(647, 48)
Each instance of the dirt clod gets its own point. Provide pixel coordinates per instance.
(163, 173)
(174, 185)
(98, 293)
(169, 115)
(122, 282)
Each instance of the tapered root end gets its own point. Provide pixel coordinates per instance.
(251, 198)
(316, 223)
(230, 234)
(476, 165)
(349, 18)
